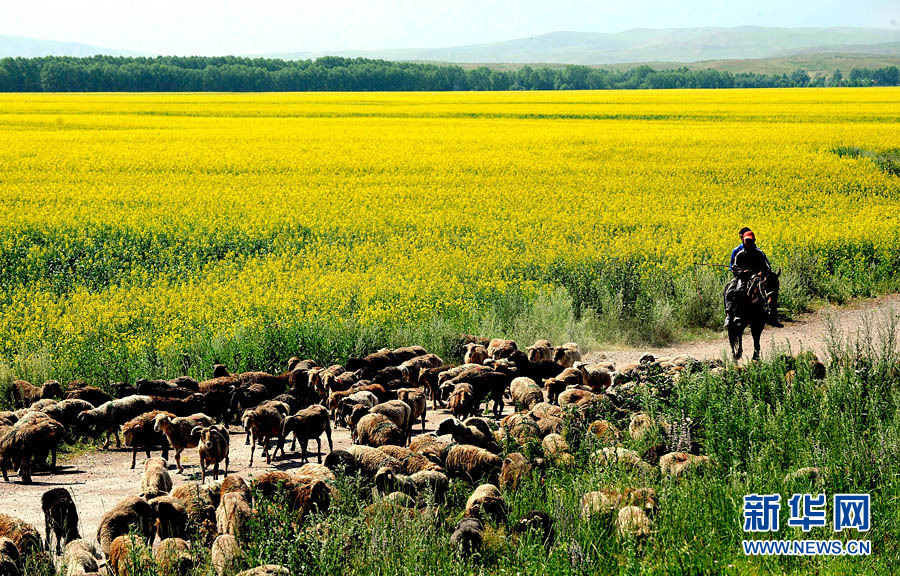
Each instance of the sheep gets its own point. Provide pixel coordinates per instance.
(462, 401)
(377, 430)
(132, 512)
(567, 354)
(199, 507)
(641, 425)
(10, 561)
(411, 462)
(8, 418)
(155, 480)
(139, 432)
(320, 378)
(23, 535)
(179, 432)
(66, 413)
(468, 536)
(80, 558)
(170, 518)
(109, 416)
(486, 501)
(27, 443)
(282, 407)
(275, 384)
(264, 423)
(412, 367)
(226, 554)
(520, 428)
(244, 398)
(678, 464)
(471, 462)
(91, 394)
(341, 403)
(341, 461)
(173, 557)
(525, 393)
(632, 521)
(163, 388)
(499, 348)
(595, 377)
(370, 460)
(398, 412)
(570, 377)
(475, 435)
(556, 449)
(428, 380)
(305, 425)
(266, 570)
(24, 394)
(193, 404)
(430, 446)
(128, 556)
(60, 517)
(540, 351)
(574, 396)
(213, 448)
(220, 371)
(405, 353)
(515, 467)
(415, 399)
(475, 354)
(537, 520)
(233, 514)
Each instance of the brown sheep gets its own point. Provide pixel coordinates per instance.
(540, 351)
(411, 462)
(570, 377)
(173, 556)
(525, 393)
(415, 399)
(171, 518)
(27, 443)
(377, 430)
(128, 556)
(226, 554)
(179, 432)
(567, 354)
(23, 535)
(468, 536)
(475, 433)
(266, 570)
(10, 561)
(370, 460)
(132, 512)
(264, 423)
(199, 507)
(305, 425)
(595, 377)
(233, 514)
(472, 463)
(475, 354)
(412, 367)
(139, 433)
(515, 468)
(24, 394)
(398, 412)
(92, 394)
(500, 348)
(80, 558)
(66, 413)
(156, 480)
(109, 416)
(60, 517)
(486, 502)
(462, 401)
(213, 448)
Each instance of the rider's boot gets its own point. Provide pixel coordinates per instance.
(728, 321)
(774, 322)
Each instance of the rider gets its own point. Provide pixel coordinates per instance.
(746, 260)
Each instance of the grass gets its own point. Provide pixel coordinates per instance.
(888, 161)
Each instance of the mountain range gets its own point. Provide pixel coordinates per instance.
(672, 45)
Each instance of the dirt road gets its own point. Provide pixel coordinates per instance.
(98, 480)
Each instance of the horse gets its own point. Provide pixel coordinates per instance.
(757, 303)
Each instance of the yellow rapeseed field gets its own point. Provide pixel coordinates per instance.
(160, 232)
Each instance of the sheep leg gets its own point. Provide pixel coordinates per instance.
(178, 461)
(303, 457)
(266, 450)
(252, 449)
(328, 435)
(423, 421)
(202, 472)
(319, 448)
(215, 472)
(118, 442)
(247, 439)
(293, 445)
(3, 469)
(53, 459)
(47, 530)
(226, 466)
(106, 444)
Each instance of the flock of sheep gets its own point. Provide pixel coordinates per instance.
(381, 398)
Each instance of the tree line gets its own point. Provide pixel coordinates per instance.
(330, 73)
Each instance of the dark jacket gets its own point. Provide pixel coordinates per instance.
(747, 262)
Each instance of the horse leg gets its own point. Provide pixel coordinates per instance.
(736, 339)
(756, 329)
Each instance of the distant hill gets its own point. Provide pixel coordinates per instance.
(31, 48)
(642, 45)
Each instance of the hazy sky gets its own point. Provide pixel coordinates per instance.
(210, 27)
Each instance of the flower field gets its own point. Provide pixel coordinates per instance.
(154, 234)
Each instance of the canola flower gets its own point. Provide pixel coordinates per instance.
(151, 232)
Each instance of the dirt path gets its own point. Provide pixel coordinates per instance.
(98, 480)
(808, 332)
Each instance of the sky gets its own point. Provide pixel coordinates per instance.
(210, 27)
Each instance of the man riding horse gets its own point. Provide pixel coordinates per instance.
(751, 298)
(746, 261)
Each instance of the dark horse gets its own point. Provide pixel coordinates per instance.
(754, 305)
